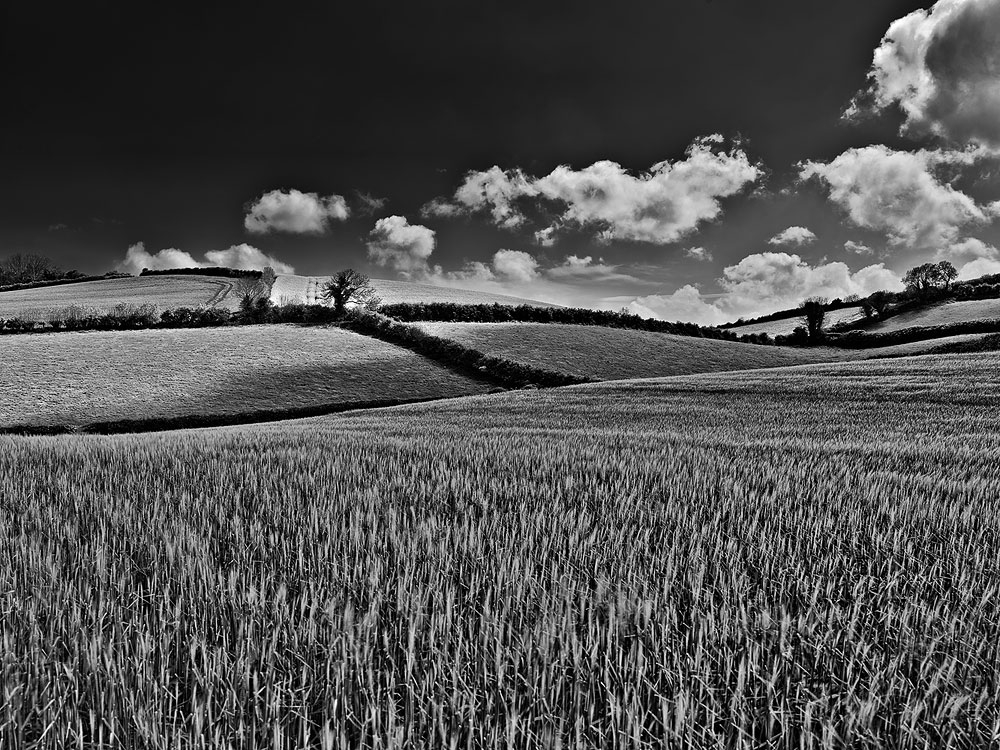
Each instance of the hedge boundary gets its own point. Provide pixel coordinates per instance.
(866, 340)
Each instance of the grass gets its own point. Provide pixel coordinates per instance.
(785, 326)
(82, 377)
(786, 558)
(942, 314)
(616, 353)
(163, 291)
(306, 289)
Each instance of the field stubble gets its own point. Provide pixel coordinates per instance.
(798, 558)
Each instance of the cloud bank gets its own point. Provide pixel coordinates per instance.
(939, 66)
(245, 257)
(762, 283)
(659, 206)
(294, 212)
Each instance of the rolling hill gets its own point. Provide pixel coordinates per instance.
(727, 553)
(84, 377)
(785, 326)
(163, 291)
(291, 288)
(943, 313)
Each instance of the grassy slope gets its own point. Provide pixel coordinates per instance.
(307, 288)
(615, 353)
(772, 553)
(77, 378)
(942, 314)
(163, 291)
(787, 325)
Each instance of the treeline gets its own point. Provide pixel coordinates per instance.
(122, 317)
(453, 312)
(232, 273)
(454, 355)
(868, 340)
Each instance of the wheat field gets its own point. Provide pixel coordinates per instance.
(77, 378)
(793, 558)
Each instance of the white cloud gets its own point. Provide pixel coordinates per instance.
(698, 253)
(971, 257)
(660, 206)
(762, 283)
(243, 256)
(403, 247)
(858, 248)
(515, 265)
(897, 192)
(793, 236)
(295, 212)
(940, 67)
(246, 257)
(546, 237)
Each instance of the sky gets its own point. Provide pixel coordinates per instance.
(702, 160)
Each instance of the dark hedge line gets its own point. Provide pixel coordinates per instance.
(233, 273)
(866, 340)
(194, 421)
(452, 312)
(452, 354)
(123, 318)
(75, 279)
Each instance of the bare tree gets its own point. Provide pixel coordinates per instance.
(350, 287)
(252, 294)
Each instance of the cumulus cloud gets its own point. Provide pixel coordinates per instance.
(899, 193)
(858, 248)
(403, 247)
(793, 236)
(659, 206)
(243, 256)
(294, 212)
(762, 283)
(698, 253)
(971, 257)
(940, 67)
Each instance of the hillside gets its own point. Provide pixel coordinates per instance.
(942, 313)
(719, 548)
(617, 353)
(163, 291)
(79, 378)
(785, 326)
(291, 288)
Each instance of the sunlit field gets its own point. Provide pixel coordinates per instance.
(164, 291)
(83, 377)
(784, 558)
(308, 289)
(785, 326)
(957, 311)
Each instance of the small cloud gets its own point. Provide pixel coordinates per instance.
(793, 236)
(858, 248)
(368, 203)
(546, 237)
(403, 247)
(294, 212)
(698, 253)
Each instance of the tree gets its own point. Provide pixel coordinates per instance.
(927, 277)
(879, 302)
(814, 315)
(947, 273)
(350, 287)
(26, 269)
(253, 296)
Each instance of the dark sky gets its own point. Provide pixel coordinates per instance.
(129, 122)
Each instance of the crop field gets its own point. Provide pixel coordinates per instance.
(787, 325)
(291, 288)
(83, 377)
(617, 353)
(805, 557)
(942, 314)
(163, 291)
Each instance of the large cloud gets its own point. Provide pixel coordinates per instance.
(659, 206)
(940, 66)
(403, 247)
(762, 283)
(244, 257)
(899, 193)
(295, 212)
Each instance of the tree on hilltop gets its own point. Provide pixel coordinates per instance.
(927, 277)
(814, 315)
(350, 287)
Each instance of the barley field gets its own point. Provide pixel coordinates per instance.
(789, 558)
(942, 314)
(77, 378)
(163, 291)
(307, 289)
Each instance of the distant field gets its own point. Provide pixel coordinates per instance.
(787, 325)
(617, 353)
(308, 288)
(77, 378)
(163, 291)
(942, 314)
(806, 557)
